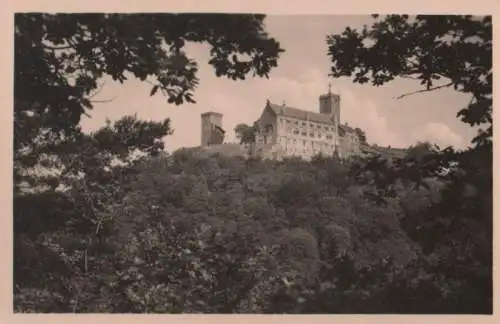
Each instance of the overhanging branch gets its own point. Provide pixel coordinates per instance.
(55, 48)
(425, 90)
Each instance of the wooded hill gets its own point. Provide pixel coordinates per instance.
(224, 234)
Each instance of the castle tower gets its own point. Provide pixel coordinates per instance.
(329, 104)
(211, 128)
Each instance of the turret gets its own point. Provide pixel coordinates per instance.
(211, 128)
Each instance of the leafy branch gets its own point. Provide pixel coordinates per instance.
(425, 90)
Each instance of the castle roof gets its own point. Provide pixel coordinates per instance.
(282, 110)
(211, 113)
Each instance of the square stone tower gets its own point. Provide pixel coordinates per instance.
(210, 121)
(329, 104)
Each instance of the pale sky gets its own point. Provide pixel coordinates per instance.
(299, 79)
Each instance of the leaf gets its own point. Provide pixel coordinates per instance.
(154, 90)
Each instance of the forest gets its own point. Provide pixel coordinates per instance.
(110, 231)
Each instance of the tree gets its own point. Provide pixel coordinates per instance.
(419, 150)
(455, 51)
(245, 133)
(92, 155)
(361, 134)
(61, 59)
(66, 232)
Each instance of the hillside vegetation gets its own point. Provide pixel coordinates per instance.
(225, 234)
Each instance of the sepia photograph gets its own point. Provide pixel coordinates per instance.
(251, 163)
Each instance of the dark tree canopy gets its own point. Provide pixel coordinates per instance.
(361, 134)
(61, 59)
(439, 51)
(420, 150)
(245, 133)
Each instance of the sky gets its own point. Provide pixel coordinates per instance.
(300, 78)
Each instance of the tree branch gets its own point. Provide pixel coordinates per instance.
(54, 48)
(425, 90)
(98, 90)
(408, 77)
(103, 101)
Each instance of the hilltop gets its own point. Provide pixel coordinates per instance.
(263, 150)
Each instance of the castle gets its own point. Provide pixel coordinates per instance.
(283, 131)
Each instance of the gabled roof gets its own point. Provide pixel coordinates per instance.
(282, 110)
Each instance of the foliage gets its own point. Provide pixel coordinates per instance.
(420, 150)
(361, 134)
(61, 60)
(92, 155)
(456, 50)
(68, 185)
(245, 133)
(222, 235)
